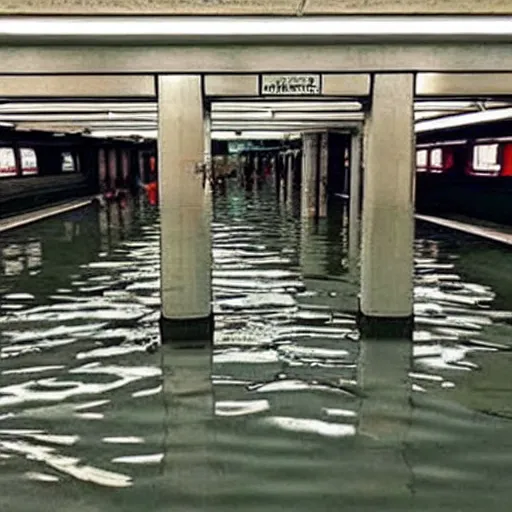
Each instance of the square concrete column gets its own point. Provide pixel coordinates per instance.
(208, 161)
(354, 212)
(281, 176)
(274, 178)
(112, 169)
(185, 210)
(256, 172)
(289, 159)
(323, 169)
(102, 170)
(309, 170)
(386, 306)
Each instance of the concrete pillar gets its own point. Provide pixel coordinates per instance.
(274, 171)
(289, 177)
(102, 170)
(141, 165)
(112, 168)
(309, 175)
(281, 176)
(256, 171)
(241, 170)
(354, 211)
(185, 209)
(207, 159)
(386, 306)
(125, 167)
(323, 167)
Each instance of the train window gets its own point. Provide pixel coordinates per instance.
(28, 162)
(68, 163)
(436, 160)
(421, 160)
(485, 158)
(7, 163)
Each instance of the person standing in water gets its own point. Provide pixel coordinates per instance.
(151, 187)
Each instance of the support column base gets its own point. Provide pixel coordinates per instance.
(186, 329)
(379, 327)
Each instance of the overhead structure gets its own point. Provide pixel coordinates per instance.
(288, 75)
(246, 118)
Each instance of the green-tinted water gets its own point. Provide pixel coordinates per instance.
(287, 410)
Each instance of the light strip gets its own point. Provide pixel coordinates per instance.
(276, 115)
(248, 135)
(90, 124)
(421, 116)
(80, 117)
(73, 106)
(444, 105)
(463, 120)
(215, 135)
(427, 145)
(146, 134)
(204, 30)
(293, 106)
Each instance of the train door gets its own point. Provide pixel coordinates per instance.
(460, 156)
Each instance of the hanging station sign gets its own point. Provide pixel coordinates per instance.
(290, 85)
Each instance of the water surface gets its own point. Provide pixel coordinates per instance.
(286, 410)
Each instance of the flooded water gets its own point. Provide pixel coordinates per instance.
(287, 410)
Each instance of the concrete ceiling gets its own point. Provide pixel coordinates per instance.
(253, 7)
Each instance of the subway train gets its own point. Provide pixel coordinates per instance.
(469, 177)
(39, 168)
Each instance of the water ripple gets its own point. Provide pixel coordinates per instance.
(288, 396)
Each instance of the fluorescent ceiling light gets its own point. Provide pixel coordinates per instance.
(307, 106)
(428, 114)
(254, 115)
(464, 120)
(282, 116)
(440, 143)
(444, 105)
(73, 106)
(76, 117)
(84, 126)
(252, 29)
(146, 134)
(252, 135)
(283, 125)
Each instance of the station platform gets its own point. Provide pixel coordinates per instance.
(477, 227)
(481, 228)
(23, 219)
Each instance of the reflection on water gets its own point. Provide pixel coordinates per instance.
(285, 410)
(20, 258)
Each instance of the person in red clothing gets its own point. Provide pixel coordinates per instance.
(151, 188)
(152, 192)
